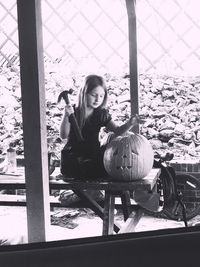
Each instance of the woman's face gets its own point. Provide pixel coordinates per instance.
(95, 97)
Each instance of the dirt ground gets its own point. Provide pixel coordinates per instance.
(68, 223)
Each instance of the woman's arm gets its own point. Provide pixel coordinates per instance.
(65, 124)
(119, 130)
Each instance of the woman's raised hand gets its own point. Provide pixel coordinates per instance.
(69, 110)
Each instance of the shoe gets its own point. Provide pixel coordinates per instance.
(68, 197)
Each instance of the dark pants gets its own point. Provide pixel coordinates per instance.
(83, 167)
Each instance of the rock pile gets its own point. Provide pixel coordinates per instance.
(171, 107)
(169, 104)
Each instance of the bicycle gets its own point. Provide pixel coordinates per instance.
(178, 192)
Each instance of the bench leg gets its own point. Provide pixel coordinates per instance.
(91, 202)
(131, 223)
(94, 206)
(108, 221)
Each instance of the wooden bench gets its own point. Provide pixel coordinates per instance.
(113, 189)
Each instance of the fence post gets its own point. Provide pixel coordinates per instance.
(34, 118)
(133, 66)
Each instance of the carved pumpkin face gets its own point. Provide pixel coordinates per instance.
(128, 157)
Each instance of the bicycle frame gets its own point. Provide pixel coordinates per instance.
(171, 174)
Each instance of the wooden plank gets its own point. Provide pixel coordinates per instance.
(20, 200)
(13, 181)
(131, 223)
(12, 200)
(147, 183)
(108, 220)
(132, 29)
(34, 118)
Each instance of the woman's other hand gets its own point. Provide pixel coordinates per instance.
(119, 130)
(137, 119)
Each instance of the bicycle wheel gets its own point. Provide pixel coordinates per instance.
(188, 188)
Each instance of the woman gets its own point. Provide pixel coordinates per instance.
(85, 159)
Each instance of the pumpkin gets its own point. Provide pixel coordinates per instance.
(128, 157)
